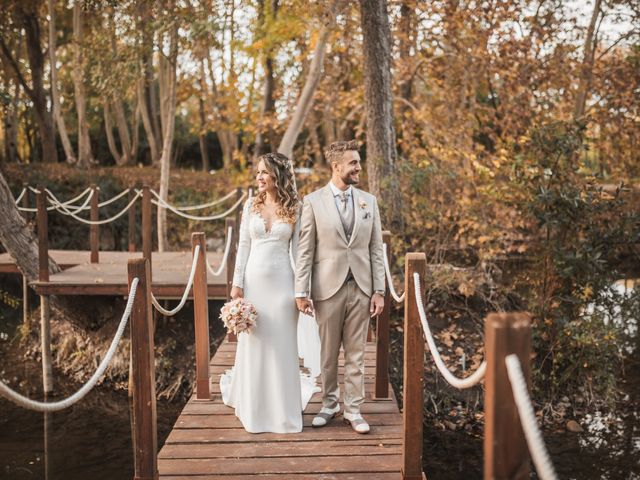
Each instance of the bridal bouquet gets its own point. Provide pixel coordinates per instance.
(238, 315)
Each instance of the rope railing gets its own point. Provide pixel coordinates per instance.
(535, 442)
(161, 203)
(185, 295)
(56, 205)
(115, 198)
(38, 406)
(68, 212)
(454, 381)
(225, 255)
(387, 271)
(201, 206)
(68, 203)
(24, 190)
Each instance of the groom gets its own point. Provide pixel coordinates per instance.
(340, 269)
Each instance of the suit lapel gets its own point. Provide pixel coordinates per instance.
(356, 217)
(332, 211)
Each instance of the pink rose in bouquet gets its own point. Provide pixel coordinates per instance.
(238, 316)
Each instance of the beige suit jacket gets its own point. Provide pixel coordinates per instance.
(324, 255)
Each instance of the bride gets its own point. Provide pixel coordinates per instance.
(265, 386)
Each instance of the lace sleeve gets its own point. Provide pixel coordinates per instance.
(244, 247)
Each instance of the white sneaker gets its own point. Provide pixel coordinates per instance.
(323, 417)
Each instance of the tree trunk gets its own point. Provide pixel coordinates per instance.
(10, 112)
(268, 104)
(586, 70)
(306, 96)
(381, 138)
(165, 162)
(123, 131)
(226, 136)
(108, 127)
(146, 86)
(85, 156)
(27, 15)
(204, 156)
(55, 94)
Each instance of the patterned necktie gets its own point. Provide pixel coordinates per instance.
(346, 214)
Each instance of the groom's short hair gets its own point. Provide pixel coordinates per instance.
(335, 151)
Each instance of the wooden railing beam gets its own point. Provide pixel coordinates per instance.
(201, 317)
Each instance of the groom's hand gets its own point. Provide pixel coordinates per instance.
(377, 304)
(305, 305)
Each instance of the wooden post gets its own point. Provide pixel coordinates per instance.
(145, 438)
(43, 236)
(94, 236)
(25, 282)
(505, 449)
(132, 220)
(201, 317)
(239, 207)
(382, 337)
(413, 373)
(147, 232)
(231, 261)
(43, 276)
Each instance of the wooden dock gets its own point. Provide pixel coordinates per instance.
(208, 441)
(170, 271)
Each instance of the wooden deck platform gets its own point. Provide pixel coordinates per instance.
(208, 441)
(170, 271)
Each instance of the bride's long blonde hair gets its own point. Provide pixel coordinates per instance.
(279, 168)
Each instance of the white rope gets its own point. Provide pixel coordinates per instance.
(192, 274)
(537, 448)
(68, 203)
(387, 271)
(227, 247)
(24, 190)
(224, 214)
(205, 205)
(63, 209)
(106, 220)
(25, 402)
(454, 381)
(84, 206)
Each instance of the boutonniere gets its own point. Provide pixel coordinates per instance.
(363, 205)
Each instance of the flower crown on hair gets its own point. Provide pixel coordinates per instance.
(279, 159)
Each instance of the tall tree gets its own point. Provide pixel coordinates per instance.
(55, 94)
(268, 11)
(586, 69)
(26, 15)
(305, 100)
(381, 138)
(85, 155)
(169, 102)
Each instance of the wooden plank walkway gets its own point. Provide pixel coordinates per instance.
(208, 441)
(170, 271)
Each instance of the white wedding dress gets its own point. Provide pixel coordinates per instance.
(265, 386)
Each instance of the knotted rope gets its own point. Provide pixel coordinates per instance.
(161, 203)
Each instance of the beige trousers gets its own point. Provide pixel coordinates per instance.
(343, 320)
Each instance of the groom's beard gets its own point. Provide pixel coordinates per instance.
(350, 180)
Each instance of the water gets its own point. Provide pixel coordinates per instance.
(89, 440)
